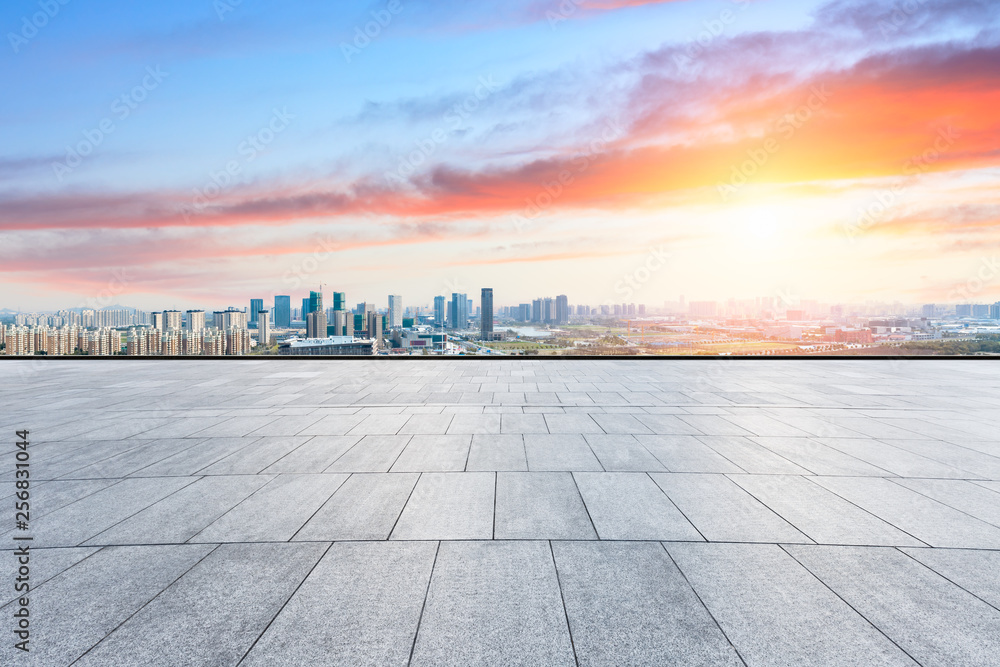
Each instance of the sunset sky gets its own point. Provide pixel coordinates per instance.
(198, 153)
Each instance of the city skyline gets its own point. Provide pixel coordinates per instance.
(847, 150)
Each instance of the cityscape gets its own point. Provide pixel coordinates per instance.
(458, 325)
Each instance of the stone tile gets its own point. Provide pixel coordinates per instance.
(974, 500)
(927, 520)
(559, 453)
(668, 425)
(79, 607)
(359, 606)
(256, 457)
(629, 605)
(215, 612)
(286, 426)
(775, 612)
(724, 512)
(275, 512)
(379, 424)
(895, 460)
(201, 455)
(521, 423)
(630, 506)
(493, 603)
(820, 514)
(571, 424)
(335, 424)
(753, 458)
(434, 453)
(180, 516)
(365, 507)
(623, 453)
(45, 564)
(426, 424)
(540, 506)
(685, 453)
(474, 424)
(497, 452)
(819, 459)
(621, 424)
(976, 571)
(449, 506)
(235, 427)
(933, 620)
(373, 453)
(316, 455)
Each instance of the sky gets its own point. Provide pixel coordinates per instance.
(200, 153)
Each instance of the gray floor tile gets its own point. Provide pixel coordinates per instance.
(559, 453)
(434, 453)
(629, 605)
(497, 452)
(630, 506)
(623, 453)
(365, 507)
(495, 603)
(373, 453)
(449, 506)
(685, 453)
(540, 506)
(974, 570)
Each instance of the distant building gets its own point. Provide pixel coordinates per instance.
(458, 318)
(263, 328)
(339, 301)
(395, 311)
(283, 312)
(316, 324)
(702, 309)
(336, 345)
(928, 310)
(195, 320)
(157, 321)
(981, 311)
(562, 309)
(316, 303)
(995, 311)
(256, 305)
(172, 320)
(486, 310)
(795, 315)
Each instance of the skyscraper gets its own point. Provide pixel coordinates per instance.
(305, 308)
(562, 309)
(316, 304)
(195, 320)
(486, 309)
(339, 301)
(440, 311)
(263, 327)
(395, 311)
(256, 305)
(283, 312)
(172, 320)
(459, 316)
(316, 324)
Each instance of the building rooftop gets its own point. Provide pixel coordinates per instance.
(542, 512)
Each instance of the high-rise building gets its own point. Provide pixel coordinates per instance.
(283, 311)
(963, 310)
(195, 320)
(536, 310)
(305, 307)
(316, 324)
(440, 311)
(486, 313)
(980, 311)
(339, 301)
(995, 311)
(171, 320)
(928, 310)
(562, 309)
(263, 327)
(256, 305)
(316, 303)
(229, 319)
(395, 311)
(459, 316)
(157, 321)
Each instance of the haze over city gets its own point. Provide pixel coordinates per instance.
(199, 152)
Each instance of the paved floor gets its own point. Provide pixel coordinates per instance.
(544, 512)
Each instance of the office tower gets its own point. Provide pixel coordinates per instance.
(157, 321)
(963, 310)
(395, 311)
(468, 308)
(536, 310)
(928, 310)
(440, 311)
(263, 327)
(548, 310)
(486, 313)
(229, 319)
(340, 322)
(305, 307)
(703, 308)
(339, 301)
(171, 320)
(316, 303)
(459, 315)
(562, 309)
(282, 311)
(981, 311)
(376, 325)
(256, 305)
(348, 323)
(316, 325)
(995, 311)
(642, 309)
(195, 320)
